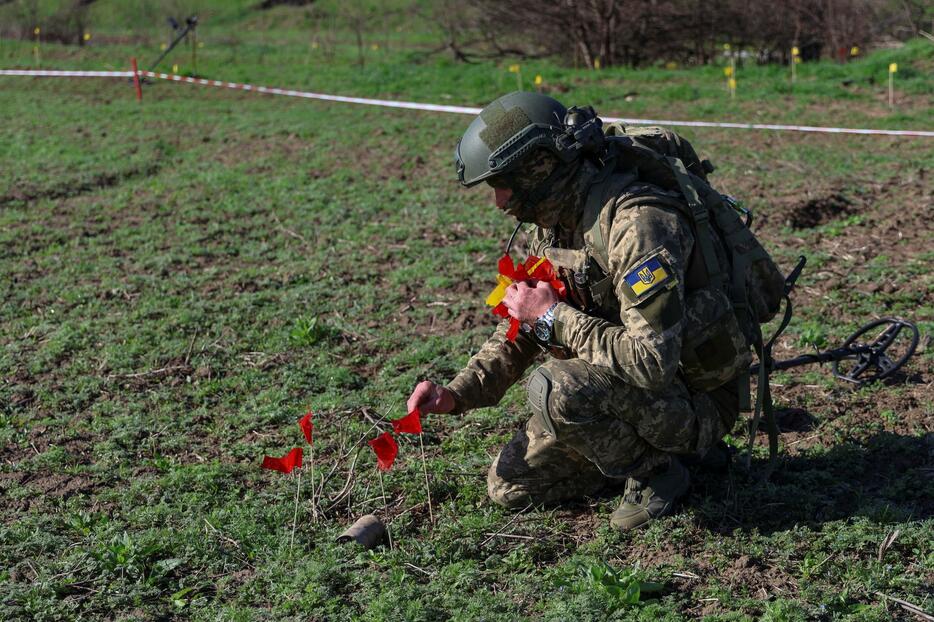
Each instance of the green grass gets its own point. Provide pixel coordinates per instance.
(183, 279)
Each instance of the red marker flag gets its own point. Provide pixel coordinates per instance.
(410, 424)
(286, 463)
(385, 448)
(307, 426)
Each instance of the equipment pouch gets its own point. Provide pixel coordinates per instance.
(714, 349)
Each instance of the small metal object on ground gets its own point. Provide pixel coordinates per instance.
(368, 531)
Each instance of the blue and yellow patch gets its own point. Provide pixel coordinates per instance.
(647, 276)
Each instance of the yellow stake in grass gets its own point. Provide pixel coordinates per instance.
(35, 48)
(87, 36)
(795, 59)
(730, 73)
(174, 68)
(538, 82)
(893, 67)
(518, 71)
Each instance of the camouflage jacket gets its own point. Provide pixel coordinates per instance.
(635, 328)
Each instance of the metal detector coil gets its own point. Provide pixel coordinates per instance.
(868, 362)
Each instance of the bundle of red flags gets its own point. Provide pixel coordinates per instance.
(532, 269)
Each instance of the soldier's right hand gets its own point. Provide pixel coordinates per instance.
(429, 397)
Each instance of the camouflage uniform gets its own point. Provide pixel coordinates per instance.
(617, 405)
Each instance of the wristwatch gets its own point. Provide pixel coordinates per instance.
(545, 325)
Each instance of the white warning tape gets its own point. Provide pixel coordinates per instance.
(49, 73)
(387, 103)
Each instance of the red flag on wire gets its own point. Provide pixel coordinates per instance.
(307, 426)
(385, 448)
(410, 424)
(286, 463)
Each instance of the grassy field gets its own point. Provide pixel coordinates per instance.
(184, 278)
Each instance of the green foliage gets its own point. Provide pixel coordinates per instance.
(813, 335)
(307, 331)
(618, 587)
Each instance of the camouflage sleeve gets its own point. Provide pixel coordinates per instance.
(648, 251)
(491, 371)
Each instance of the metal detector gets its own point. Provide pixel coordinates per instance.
(860, 362)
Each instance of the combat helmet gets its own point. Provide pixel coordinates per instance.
(516, 125)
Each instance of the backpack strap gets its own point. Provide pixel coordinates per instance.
(593, 207)
(739, 263)
(701, 218)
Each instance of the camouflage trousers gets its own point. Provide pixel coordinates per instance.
(590, 428)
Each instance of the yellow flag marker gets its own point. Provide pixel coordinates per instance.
(538, 80)
(496, 296)
(87, 36)
(732, 84)
(513, 68)
(728, 71)
(36, 31)
(163, 46)
(726, 47)
(596, 64)
(375, 46)
(174, 68)
(854, 51)
(671, 65)
(893, 67)
(795, 51)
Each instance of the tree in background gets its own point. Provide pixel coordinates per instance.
(599, 33)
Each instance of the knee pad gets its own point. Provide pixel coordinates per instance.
(539, 393)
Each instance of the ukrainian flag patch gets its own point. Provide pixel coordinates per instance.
(647, 276)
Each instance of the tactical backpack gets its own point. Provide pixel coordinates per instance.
(732, 284)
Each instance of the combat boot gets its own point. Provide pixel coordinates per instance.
(651, 496)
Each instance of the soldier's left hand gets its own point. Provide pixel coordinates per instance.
(527, 302)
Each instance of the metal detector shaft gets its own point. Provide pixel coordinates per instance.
(829, 356)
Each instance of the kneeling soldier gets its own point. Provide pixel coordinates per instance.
(612, 404)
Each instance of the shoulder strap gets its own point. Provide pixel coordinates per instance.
(701, 218)
(593, 207)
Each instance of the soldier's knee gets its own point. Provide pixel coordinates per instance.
(540, 388)
(555, 393)
(503, 492)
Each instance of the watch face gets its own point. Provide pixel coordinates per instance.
(542, 331)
